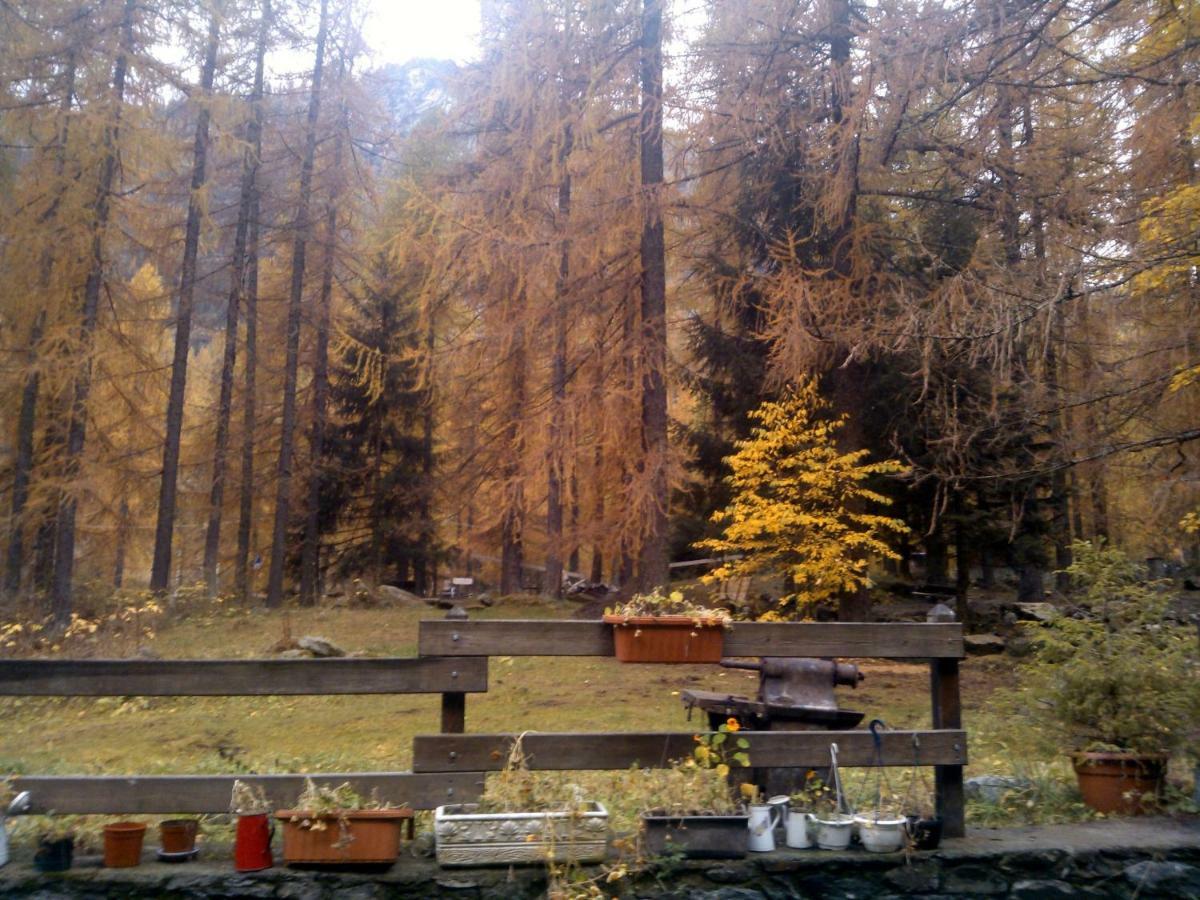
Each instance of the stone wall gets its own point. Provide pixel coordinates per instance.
(1099, 860)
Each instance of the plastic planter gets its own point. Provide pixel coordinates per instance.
(667, 639)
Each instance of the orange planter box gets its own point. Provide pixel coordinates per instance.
(667, 639)
(376, 834)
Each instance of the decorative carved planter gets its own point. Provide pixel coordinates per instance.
(697, 837)
(667, 639)
(467, 837)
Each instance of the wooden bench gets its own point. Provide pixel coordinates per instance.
(944, 746)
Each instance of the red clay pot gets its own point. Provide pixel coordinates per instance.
(123, 844)
(667, 639)
(252, 846)
(1128, 784)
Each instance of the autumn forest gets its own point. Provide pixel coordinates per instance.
(275, 316)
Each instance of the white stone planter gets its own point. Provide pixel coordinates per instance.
(467, 837)
(3, 841)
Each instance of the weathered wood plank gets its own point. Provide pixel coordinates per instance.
(240, 677)
(487, 752)
(538, 637)
(947, 713)
(890, 640)
(144, 794)
(515, 637)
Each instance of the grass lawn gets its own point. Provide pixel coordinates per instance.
(314, 734)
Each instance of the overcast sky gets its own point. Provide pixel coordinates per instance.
(403, 29)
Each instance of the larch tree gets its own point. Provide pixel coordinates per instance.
(302, 232)
(197, 199)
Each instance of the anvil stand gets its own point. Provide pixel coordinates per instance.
(794, 694)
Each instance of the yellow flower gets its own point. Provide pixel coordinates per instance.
(722, 770)
(732, 725)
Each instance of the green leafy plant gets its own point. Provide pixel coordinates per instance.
(656, 603)
(1119, 675)
(816, 796)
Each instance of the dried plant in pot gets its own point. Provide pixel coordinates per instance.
(522, 817)
(252, 841)
(56, 845)
(1116, 684)
(336, 826)
(695, 813)
(658, 628)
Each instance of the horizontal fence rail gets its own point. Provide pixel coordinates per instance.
(240, 677)
(810, 749)
(147, 794)
(515, 637)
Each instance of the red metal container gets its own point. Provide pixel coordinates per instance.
(252, 846)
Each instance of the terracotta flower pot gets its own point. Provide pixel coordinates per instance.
(375, 836)
(1125, 783)
(178, 835)
(667, 639)
(123, 844)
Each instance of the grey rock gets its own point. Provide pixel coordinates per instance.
(921, 878)
(390, 594)
(973, 880)
(319, 646)
(983, 644)
(1043, 889)
(1036, 612)
(992, 788)
(1171, 878)
(728, 874)
(1035, 862)
(299, 890)
(728, 893)
(295, 653)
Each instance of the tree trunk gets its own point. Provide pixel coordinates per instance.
(167, 498)
(23, 463)
(283, 484)
(427, 572)
(64, 543)
(27, 417)
(652, 563)
(512, 525)
(310, 550)
(962, 574)
(122, 544)
(558, 381)
(249, 416)
(246, 203)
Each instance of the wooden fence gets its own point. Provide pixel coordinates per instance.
(453, 661)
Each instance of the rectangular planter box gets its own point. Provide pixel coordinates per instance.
(467, 837)
(697, 837)
(667, 639)
(376, 835)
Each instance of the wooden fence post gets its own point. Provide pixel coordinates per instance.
(947, 713)
(454, 703)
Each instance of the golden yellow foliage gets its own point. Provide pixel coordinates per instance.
(800, 504)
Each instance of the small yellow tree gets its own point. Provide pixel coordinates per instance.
(800, 505)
